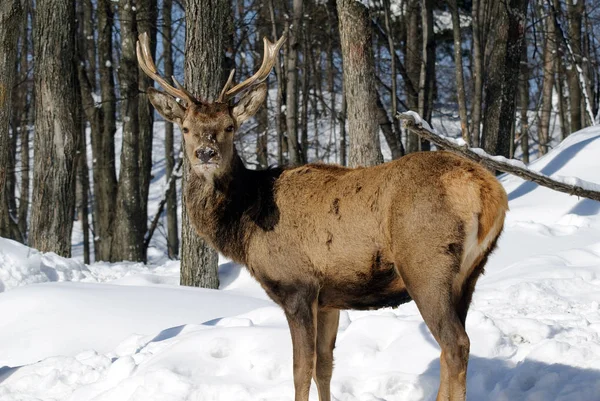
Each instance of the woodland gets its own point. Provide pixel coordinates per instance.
(77, 132)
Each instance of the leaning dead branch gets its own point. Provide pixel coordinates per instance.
(414, 123)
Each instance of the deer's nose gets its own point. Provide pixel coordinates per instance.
(205, 154)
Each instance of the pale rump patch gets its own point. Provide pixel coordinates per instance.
(475, 250)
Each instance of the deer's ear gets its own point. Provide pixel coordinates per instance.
(249, 104)
(166, 105)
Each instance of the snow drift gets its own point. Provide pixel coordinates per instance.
(128, 332)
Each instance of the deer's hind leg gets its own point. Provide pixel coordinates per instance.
(327, 327)
(430, 284)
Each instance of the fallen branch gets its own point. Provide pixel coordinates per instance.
(568, 185)
(161, 206)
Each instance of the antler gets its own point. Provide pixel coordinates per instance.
(270, 53)
(147, 64)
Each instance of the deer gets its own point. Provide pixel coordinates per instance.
(321, 238)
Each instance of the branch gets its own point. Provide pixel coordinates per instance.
(568, 185)
(582, 80)
(161, 206)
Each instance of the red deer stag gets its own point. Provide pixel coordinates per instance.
(320, 238)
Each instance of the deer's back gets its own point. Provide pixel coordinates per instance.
(347, 226)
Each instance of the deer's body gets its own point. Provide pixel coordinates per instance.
(353, 233)
(321, 238)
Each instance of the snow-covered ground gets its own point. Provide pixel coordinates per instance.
(128, 332)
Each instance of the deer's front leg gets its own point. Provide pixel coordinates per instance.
(301, 312)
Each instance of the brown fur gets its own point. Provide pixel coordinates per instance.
(320, 238)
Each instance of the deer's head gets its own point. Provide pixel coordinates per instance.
(209, 128)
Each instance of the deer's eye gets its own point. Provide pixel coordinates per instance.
(230, 128)
(185, 130)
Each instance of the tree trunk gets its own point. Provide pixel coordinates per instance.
(575, 10)
(87, 61)
(547, 85)
(524, 105)
(294, 151)
(427, 75)
(460, 81)
(103, 143)
(388, 131)
(11, 17)
(477, 17)
(204, 78)
(559, 80)
(26, 121)
(394, 140)
(129, 224)
(359, 83)
(279, 103)
(172, 228)
(501, 90)
(146, 15)
(412, 63)
(57, 127)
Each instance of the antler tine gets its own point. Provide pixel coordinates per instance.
(181, 88)
(270, 53)
(221, 98)
(147, 65)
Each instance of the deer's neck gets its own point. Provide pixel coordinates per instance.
(233, 207)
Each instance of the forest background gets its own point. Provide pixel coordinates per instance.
(513, 77)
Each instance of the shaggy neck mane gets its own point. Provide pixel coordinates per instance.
(228, 210)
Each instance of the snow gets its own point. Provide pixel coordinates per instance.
(127, 331)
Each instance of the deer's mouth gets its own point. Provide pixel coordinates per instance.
(208, 167)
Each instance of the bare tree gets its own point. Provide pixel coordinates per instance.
(129, 225)
(295, 32)
(57, 130)
(103, 143)
(524, 105)
(359, 83)
(87, 67)
(412, 56)
(203, 78)
(25, 118)
(575, 10)
(460, 81)
(11, 16)
(548, 83)
(504, 65)
(146, 15)
(172, 228)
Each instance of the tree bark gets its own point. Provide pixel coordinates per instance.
(279, 73)
(26, 94)
(477, 61)
(57, 127)
(460, 81)
(11, 16)
(172, 228)
(524, 104)
(359, 83)
(294, 151)
(129, 224)
(548, 84)
(394, 140)
(203, 77)
(103, 143)
(499, 117)
(575, 11)
(427, 75)
(146, 16)
(87, 61)
(412, 63)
